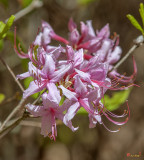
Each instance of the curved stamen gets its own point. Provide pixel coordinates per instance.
(110, 129)
(20, 54)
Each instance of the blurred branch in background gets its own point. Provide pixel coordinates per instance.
(138, 42)
(20, 106)
(12, 73)
(35, 4)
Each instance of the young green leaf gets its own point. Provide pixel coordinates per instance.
(2, 25)
(116, 100)
(4, 28)
(135, 23)
(141, 10)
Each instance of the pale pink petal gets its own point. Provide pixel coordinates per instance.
(70, 95)
(71, 25)
(48, 103)
(78, 57)
(85, 104)
(104, 51)
(115, 55)
(38, 40)
(91, 31)
(80, 88)
(58, 75)
(35, 110)
(74, 36)
(33, 88)
(70, 52)
(71, 112)
(53, 94)
(92, 122)
(104, 32)
(95, 94)
(34, 72)
(49, 66)
(83, 75)
(23, 76)
(46, 126)
(66, 104)
(84, 30)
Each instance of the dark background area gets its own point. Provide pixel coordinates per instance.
(26, 143)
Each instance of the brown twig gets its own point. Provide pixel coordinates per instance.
(138, 42)
(32, 6)
(12, 73)
(17, 108)
(15, 123)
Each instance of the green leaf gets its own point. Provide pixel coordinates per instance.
(135, 23)
(2, 97)
(4, 28)
(117, 99)
(141, 10)
(2, 25)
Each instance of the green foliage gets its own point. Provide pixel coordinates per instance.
(4, 2)
(4, 28)
(141, 10)
(134, 22)
(117, 99)
(2, 25)
(112, 103)
(2, 97)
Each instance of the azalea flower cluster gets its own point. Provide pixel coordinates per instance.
(72, 75)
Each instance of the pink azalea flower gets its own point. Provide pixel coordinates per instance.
(42, 78)
(79, 71)
(50, 111)
(79, 98)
